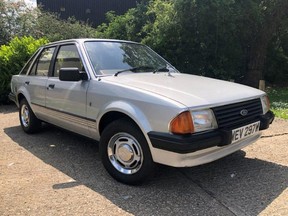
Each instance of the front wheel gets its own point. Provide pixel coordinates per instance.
(125, 153)
(29, 122)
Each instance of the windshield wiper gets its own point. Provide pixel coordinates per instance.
(134, 69)
(161, 69)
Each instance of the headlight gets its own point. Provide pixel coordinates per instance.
(195, 121)
(203, 120)
(265, 104)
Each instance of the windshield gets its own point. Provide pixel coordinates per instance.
(112, 57)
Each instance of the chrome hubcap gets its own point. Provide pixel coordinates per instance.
(25, 115)
(125, 153)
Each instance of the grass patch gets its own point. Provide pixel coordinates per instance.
(279, 101)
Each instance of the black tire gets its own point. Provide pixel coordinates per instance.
(29, 122)
(125, 153)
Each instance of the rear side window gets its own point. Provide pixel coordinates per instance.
(27, 66)
(67, 57)
(42, 65)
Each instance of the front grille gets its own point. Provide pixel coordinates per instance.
(229, 115)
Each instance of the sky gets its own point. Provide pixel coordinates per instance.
(33, 2)
(28, 2)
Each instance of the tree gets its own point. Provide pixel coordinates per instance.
(224, 39)
(196, 36)
(127, 26)
(16, 19)
(274, 14)
(53, 28)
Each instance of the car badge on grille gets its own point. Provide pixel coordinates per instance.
(244, 112)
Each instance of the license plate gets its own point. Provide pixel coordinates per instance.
(245, 131)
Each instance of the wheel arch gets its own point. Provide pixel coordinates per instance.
(22, 93)
(20, 96)
(121, 109)
(111, 116)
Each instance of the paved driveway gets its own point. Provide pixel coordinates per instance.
(56, 172)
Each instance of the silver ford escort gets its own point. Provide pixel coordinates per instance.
(137, 105)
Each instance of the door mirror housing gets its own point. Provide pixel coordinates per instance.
(72, 74)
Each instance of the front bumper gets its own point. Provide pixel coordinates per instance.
(191, 143)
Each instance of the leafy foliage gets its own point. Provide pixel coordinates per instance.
(127, 26)
(197, 36)
(53, 28)
(276, 70)
(279, 101)
(213, 38)
(12, 58)
(17, 19)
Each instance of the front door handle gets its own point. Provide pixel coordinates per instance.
(51, 86)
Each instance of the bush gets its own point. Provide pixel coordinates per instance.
(12, 58)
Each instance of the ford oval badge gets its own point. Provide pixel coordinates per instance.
(244, 112)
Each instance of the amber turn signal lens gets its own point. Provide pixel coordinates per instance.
(182, 124)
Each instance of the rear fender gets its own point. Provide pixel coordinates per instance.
(22, 90)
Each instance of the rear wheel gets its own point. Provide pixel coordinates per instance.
(125, 153)
(29, 122)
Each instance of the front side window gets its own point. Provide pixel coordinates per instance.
(110, 57)
(67, 57)
(42, 65)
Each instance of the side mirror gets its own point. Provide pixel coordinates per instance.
(72, 74)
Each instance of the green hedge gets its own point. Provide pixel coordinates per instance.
(12, 58)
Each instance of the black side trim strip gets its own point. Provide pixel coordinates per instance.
(67, 113)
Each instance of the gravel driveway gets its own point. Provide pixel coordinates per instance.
(56, 172)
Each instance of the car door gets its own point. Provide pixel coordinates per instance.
(36, 80)
(66, 100)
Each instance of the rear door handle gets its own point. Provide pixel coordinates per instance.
(27, 83)
(51, 86)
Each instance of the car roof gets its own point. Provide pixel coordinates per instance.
(82, 40)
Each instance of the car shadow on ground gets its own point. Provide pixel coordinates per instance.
(234, 184)
(6, 109)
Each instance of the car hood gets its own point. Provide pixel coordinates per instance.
(189, 90)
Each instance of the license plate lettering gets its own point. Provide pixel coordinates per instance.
(245, 131)
(248, 130)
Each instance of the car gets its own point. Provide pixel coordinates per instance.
(140, 108)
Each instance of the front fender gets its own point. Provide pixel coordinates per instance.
(128, 109)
